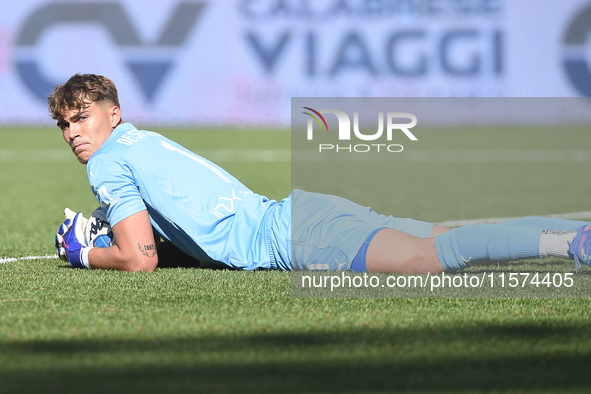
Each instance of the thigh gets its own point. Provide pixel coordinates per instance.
(315, 202)
(326, 231)
(394, 251)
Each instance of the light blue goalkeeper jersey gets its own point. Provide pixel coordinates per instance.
(192, 202)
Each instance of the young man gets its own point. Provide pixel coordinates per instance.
(146, 182)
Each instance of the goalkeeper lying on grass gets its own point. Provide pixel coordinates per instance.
(147, 184)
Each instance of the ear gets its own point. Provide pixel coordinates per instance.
(115, 114)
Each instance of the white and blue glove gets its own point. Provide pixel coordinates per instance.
(70, 241)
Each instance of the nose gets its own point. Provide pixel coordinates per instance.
(73, 131)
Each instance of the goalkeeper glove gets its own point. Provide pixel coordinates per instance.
(70, 215)
(70, 241)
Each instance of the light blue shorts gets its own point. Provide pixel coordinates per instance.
(327, 231)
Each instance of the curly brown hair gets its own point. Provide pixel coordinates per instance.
(79, 92)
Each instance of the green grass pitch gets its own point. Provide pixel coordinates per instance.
(194, 330)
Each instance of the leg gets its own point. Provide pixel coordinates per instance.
(394, 251)
(456, 249)
(329, 232)
(485, 243)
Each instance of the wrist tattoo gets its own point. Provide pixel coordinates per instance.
(147, 250)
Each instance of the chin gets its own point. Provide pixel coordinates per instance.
(83, 159)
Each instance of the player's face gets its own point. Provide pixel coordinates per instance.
(87, 129)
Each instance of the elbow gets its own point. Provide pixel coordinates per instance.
(142, 264)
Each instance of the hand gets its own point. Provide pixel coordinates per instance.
(70, 241)
(69, 214)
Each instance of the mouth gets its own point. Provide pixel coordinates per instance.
(77, 149)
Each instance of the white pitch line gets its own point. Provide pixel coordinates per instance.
(247, 155)
(285, 155)
(569, 216)
(14, 259)
(450, 156)
(499, 156)
(215, 155)
(35, 155)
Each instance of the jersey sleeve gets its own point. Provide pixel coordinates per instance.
(115, 188)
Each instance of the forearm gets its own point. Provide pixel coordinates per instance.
(133, 247)
(144, 258)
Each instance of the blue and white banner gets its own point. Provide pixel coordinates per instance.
(241, 61)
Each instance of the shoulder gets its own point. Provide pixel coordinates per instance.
(108, 166)
(126, 135)
(116, 149)
(104, 160)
